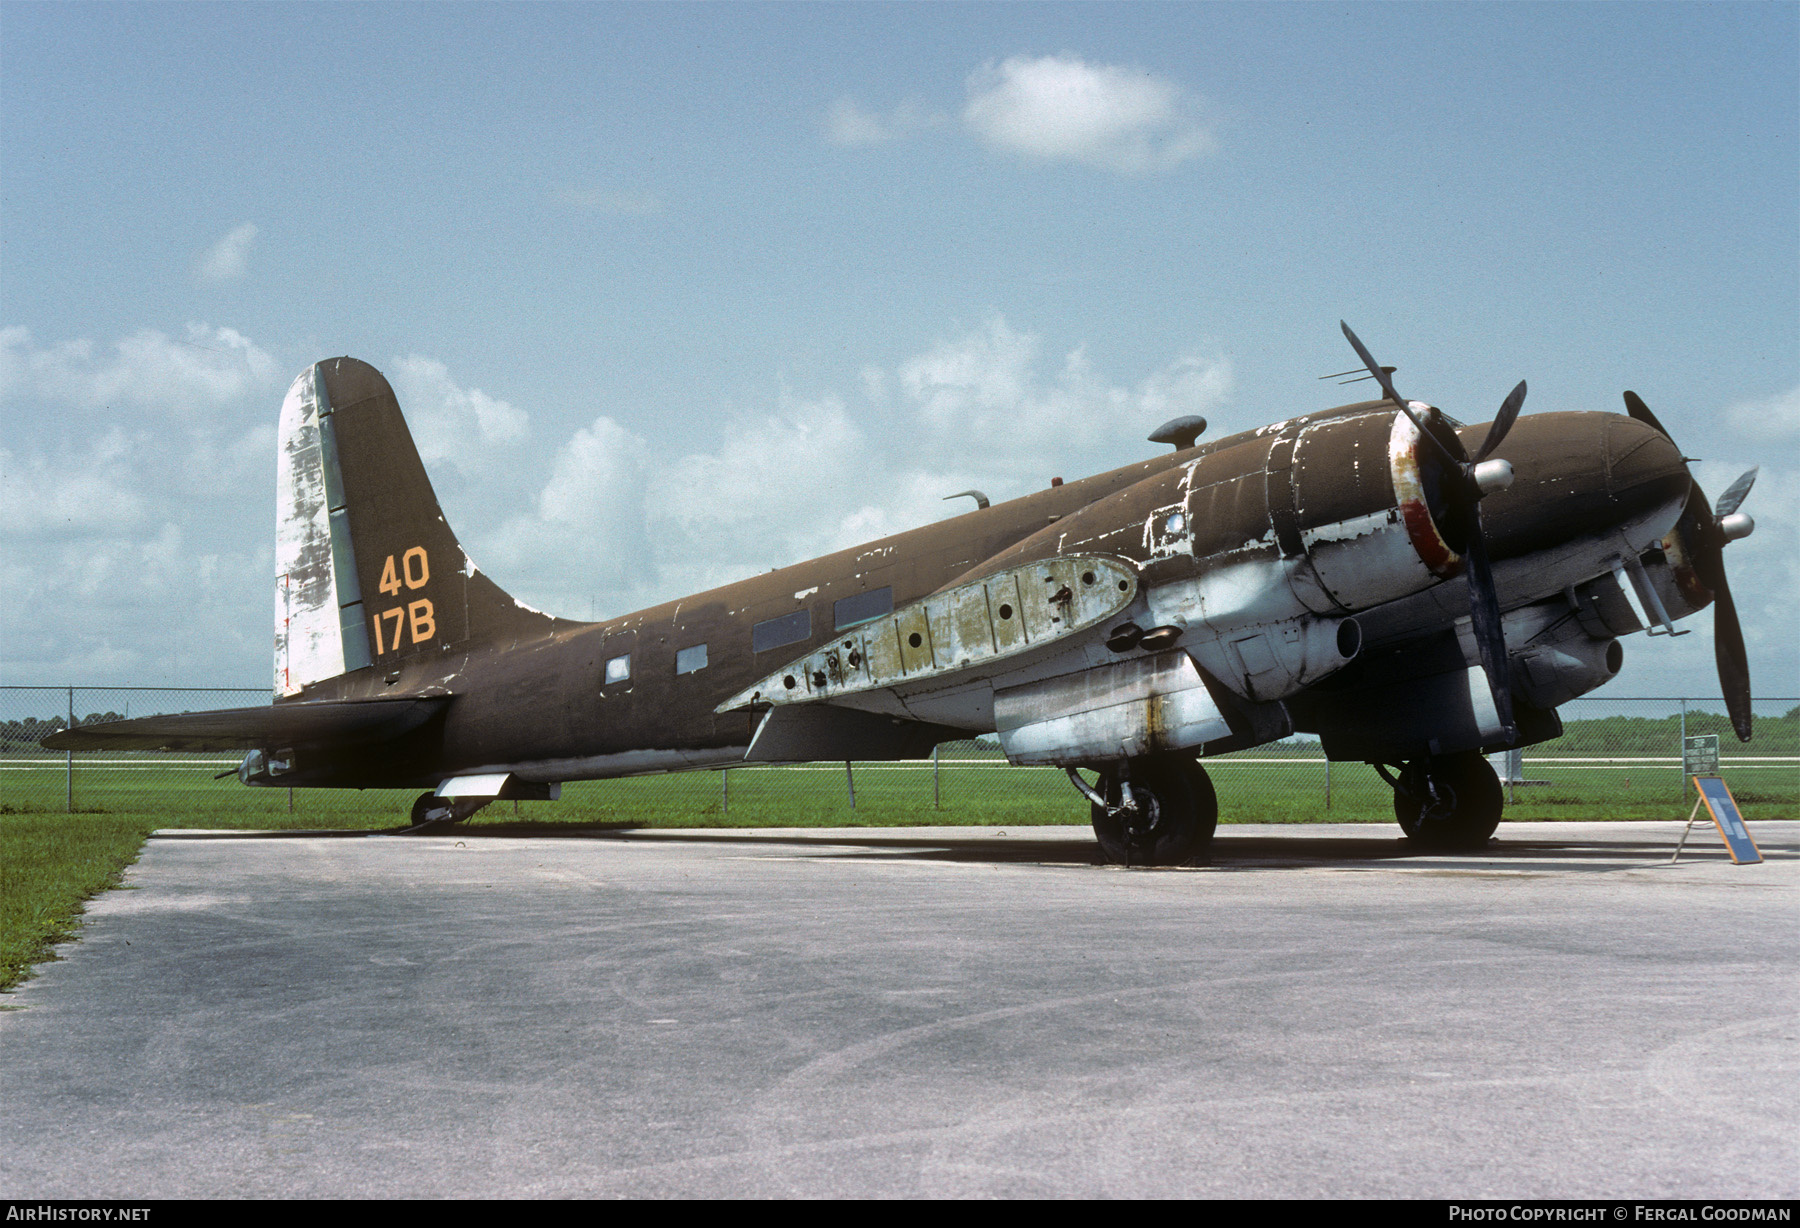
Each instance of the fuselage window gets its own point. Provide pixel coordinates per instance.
(863, 607)
(690, 659)
(774, 632)
(619, 668)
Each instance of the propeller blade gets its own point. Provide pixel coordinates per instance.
(1387, 386)
(1634, 405)
(1733, 497)
(1374, 367)
(1707, 545)
(1509, 410)
(1732, 660)
(1484, 621)
(1708, 549)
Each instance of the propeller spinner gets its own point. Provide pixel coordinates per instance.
(1480, 476)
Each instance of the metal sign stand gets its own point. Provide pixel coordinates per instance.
(1722, 807)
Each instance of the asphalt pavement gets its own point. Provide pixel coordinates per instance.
(937, 1012)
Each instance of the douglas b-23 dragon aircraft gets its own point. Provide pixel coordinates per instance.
(1358, 574)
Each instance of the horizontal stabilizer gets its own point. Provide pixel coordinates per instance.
(279, 725)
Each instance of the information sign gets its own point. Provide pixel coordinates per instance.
(1700, 755)
(1723, 808)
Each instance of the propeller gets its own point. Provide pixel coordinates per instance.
(1480, 477)
(1704, 533)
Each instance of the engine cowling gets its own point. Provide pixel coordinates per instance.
(1364, 499)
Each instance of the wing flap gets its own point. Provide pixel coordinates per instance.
(279, 725)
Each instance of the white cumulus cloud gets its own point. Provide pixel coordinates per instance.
(1062, 109)
(135, 494)
(211, 367)
(90, 491)
(987, 392)
(1775, 418)
(449, 422)
(586, 534)
(136, 491)
(229, 258)
(617, 526)
(847, 123)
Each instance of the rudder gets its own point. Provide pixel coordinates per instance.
(368, 573)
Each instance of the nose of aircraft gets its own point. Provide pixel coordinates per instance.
(1576, 474)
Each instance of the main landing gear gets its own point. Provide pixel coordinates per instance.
(1153, 812)
(1450, 803)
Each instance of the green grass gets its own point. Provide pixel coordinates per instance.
(51, 862)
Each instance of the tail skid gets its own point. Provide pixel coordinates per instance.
(368, 574)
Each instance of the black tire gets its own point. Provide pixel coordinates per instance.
(1469, 805)
(426, 803)
(1206, 808)
(1182, 811)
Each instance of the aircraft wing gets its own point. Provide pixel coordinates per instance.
(279, 725)
(966, 631)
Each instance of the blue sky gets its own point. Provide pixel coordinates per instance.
(676, 293)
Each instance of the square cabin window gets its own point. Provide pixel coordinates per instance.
(690, 659)
(776, 632)
(860, 608)
(619, 668)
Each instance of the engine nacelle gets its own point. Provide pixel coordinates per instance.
(1550, 675)
(1366, 501)
(1272, 662)
(1121, 710)
(1358, 515)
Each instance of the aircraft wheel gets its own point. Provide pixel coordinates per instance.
(1206, 812)
(430, 808)
(1461, 814)
(1172, 824)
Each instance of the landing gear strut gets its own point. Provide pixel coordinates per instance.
(1451, 803)
(1153, 812)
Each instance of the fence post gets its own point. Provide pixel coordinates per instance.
(69, 762)
(724, 790)
(1683, 768)
(1328, 784)
(936, 795)
(850, 780)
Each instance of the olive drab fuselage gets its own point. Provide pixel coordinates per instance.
(1301, 569)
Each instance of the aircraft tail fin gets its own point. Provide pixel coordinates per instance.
(367, 572)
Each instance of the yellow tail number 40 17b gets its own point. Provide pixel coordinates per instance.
(413, 571)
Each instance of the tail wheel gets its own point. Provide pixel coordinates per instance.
(1449, 804)
(1164, 814)
(430, 808)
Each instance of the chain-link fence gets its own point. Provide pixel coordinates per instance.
(1618, 758)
